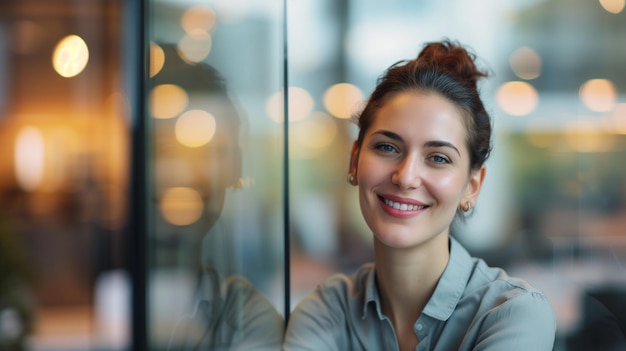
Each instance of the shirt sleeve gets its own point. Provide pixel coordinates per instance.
(316, 324)
(522, 322)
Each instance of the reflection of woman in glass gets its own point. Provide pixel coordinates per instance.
(227, 311)
(419, 161)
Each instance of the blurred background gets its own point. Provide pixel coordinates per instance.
(90, 222)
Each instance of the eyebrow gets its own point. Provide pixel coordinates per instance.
(431, 143)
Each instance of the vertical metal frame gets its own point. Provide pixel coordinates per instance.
(135, 65)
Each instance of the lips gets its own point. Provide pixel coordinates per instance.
(396, 205)
(401, 206)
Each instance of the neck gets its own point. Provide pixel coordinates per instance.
(407, 277)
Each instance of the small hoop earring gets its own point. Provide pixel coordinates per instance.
(350, 178)
(468, 206)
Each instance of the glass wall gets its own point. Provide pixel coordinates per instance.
(215, 277)
(210, 208)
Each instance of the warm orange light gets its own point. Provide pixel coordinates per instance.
(517, 98)
(29, 158)
(598, 95)
(619, 119)
(157, 59)
(167, 101)
(525, 63)
(195, 47)
(198, 18)
(300, 105)
(588, 136)
(343, 100)
(70, 56)
(195, 128)
(613, 6)
(181, 205)
(317, 132)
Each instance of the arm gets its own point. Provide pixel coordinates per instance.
(522, 322)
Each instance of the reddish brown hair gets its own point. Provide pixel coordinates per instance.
(445, 68)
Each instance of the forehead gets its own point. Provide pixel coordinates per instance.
(420, 113)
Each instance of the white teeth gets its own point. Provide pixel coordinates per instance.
(403, 207)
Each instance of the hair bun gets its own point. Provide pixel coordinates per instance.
(453, 59)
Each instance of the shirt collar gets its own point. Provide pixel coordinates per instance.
(452, 283)
(371, 294)
(448, 292)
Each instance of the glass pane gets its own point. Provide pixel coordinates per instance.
(553, 206)
(64, 176)
(215, 238)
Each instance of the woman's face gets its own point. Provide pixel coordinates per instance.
(413, 169)
(209, 169)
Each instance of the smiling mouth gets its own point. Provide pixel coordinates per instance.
(402, 206)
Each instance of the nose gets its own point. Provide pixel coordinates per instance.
(408, 174)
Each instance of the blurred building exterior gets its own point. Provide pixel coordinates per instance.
(91, 225)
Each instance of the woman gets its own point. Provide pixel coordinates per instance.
(419, 161)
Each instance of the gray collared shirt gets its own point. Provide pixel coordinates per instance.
(473, 307)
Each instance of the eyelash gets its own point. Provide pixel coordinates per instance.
(443, 159)
(385, 147)
(389, 148)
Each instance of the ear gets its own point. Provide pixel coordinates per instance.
(354, 162)
(474, 185)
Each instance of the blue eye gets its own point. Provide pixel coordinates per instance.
(439, 159)
(386, 148)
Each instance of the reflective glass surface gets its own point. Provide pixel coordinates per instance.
(215, 173)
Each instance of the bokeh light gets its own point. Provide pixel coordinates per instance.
(525, 63)
(195, 47)
(613, 6)
(70, 56)
(198, 18)
(157, 59)
(29, 158)
(195, 128)
(588, 136)
(598, 95)
(301, 105)
(343, 100)
(312, 135)
(316, 132)
(167, 101)
(619, 119)
(517, 98)
(181, 205)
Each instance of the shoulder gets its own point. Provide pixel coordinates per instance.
(523, 317)
(512, 309)
(340, 285)
(336, 292)
(498, 284)
(493, 287)
(320, 319)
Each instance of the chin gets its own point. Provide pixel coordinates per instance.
(404, 238)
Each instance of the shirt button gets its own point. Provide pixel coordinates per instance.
(419, 326)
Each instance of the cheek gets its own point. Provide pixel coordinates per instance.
(446, 185)
(370, 173)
